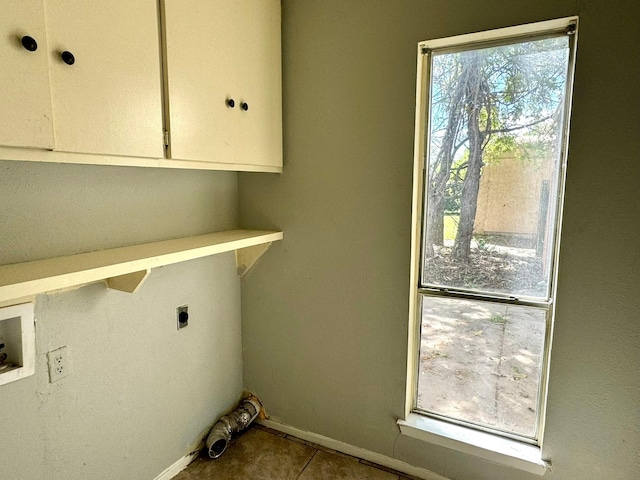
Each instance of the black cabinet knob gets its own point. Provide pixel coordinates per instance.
(68, 58)
(29, 43)
(231, 103)
(244, 106)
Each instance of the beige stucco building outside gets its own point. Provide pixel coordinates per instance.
(511, 197)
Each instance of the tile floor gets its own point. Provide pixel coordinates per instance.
(264, 454)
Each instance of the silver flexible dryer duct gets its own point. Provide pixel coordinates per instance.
(236, 421)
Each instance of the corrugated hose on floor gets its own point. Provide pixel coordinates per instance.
(227, 425)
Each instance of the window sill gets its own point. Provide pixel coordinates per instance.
(480, 444)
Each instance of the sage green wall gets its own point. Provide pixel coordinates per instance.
(325, 314)
(140, 394)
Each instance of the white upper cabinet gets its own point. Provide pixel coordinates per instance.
(109, 100)
(26, 119)
(106, 82)
(81, 77)
(224, 81)
(260, 83)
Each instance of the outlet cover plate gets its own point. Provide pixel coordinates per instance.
(59, 364)
(182, 314)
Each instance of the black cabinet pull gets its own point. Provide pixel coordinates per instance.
(231, 103)
(68, 58)
(29, 43)
(244, 106)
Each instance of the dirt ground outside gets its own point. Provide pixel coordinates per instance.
(492, 268)
(481, 362)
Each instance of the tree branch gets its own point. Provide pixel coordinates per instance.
(520, 127)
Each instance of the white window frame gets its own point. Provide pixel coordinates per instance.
(502, 449)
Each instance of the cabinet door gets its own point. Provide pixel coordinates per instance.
(110, 100)
(201, 55)
(216, 51)
(26, 120)
(260, 83)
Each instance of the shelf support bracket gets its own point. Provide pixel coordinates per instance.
(129, 283)
(248, 256)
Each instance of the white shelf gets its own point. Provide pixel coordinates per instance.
(126, 268)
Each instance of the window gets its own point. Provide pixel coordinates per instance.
(491, 137)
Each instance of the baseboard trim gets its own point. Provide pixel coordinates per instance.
(179, 465)
(368, 455)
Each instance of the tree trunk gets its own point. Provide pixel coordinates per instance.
(469, 199)
(440, 169)
(435, 222)
(471, 185)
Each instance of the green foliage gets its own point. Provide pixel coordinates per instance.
(499, 147)
(498, 319)
(483, 244)
(453, 189)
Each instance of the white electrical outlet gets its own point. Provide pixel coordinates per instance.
(59, 364)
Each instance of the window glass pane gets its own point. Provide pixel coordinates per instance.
(494, 150)
(480, 362)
